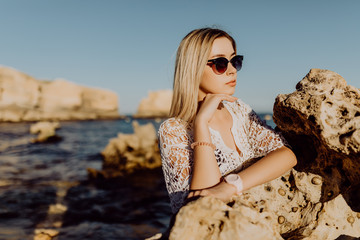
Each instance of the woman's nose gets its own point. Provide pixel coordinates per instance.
(231, 69)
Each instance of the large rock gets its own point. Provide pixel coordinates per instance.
(130, 152)
(23, 98)
(156, 104)
(285, 208)
(18, 89)
(60, 94)
(101, 101)
(321, 120)
(319, 198)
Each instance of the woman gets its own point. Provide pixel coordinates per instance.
(207, 144)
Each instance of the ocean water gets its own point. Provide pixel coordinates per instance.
(45, 186)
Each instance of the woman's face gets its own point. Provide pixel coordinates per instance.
(212, 82)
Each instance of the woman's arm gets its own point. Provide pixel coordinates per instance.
(272, 166)
(176, 160)
(268, 144)
(206, 172)
(277, 160)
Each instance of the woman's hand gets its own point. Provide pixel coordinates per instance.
(223, 191)
(209, 105)
(206, 171)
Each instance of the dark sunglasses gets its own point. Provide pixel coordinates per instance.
(220, 65)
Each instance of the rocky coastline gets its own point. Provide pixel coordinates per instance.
(317, 199)
(26, 99)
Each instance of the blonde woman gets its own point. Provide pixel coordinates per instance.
(211, 137)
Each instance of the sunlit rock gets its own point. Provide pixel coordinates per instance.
(210, 218)
(18, 90)
(130, 152)
(24, 98)
(57, 209)
(321, 121)
(45, 234)
(60, 94)
(46, 131)
(156, 104)
(335, 219)
(263, 213)
(100, 100)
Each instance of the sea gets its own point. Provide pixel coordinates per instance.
(46, 185)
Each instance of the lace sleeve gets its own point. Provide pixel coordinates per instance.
(262, 137)
(176, 157)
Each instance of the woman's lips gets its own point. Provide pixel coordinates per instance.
(231, 83)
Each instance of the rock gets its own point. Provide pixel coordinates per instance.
(42, 236)
(103, 101)
(23, 98)
(18, 90)
(335, 219)
(130, 152)
(155, 237)
(263, 214)
(157, 104)
(45, 234)
(210, 218)
(46, 131)
(311, 190)
(316, 181)
(60, 94)
(57, 208)
(281, 219)
(321, 121)
(281, 192)
(319, 198)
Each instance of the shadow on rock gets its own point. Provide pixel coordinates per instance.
(321, 121)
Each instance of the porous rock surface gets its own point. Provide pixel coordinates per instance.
(285, 208)
(321, 121)
(24, 98)
(130, 152)
(319, 198)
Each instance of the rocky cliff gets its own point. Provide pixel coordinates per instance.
(156, 104)
(24, 98)
(318, 199)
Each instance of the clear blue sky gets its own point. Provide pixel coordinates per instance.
(129, 46)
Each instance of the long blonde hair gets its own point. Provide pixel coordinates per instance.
(191, 59)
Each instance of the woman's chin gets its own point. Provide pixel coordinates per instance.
(229, 92)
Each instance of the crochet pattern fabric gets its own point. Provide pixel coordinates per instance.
(253, 139)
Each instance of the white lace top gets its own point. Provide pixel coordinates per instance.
(252, 137)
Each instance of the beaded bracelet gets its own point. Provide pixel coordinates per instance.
(194, 144)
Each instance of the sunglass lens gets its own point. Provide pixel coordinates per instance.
(237, 62)
(221, 65)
